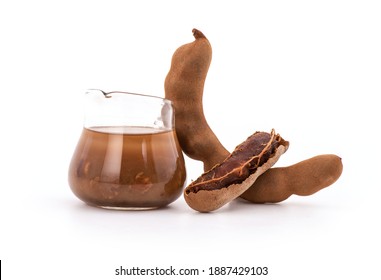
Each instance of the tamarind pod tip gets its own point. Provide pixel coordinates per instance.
(197, 34)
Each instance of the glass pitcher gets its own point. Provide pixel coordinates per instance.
(128, 155)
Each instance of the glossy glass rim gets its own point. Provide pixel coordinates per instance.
(107, 94)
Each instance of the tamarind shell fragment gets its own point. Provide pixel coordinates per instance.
(232, 177)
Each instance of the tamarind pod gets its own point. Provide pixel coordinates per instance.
(229, 179)
(184, 86)
(303, 178)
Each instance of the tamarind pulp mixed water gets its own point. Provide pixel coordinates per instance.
(127, 167)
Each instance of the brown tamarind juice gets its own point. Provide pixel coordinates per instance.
(126, 167)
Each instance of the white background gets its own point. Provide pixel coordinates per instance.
(309, 69)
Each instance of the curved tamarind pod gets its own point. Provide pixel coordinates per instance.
(230, 178)
(303, 178)
(184, 86)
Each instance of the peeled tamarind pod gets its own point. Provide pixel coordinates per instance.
(303, 178)
(184, 86)
(232, 177)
